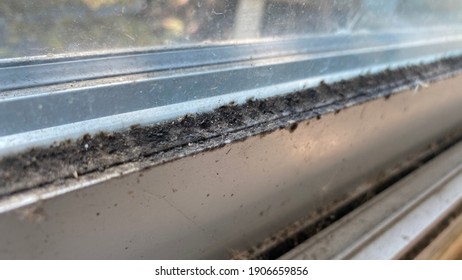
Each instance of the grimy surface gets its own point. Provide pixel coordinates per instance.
(194, 133)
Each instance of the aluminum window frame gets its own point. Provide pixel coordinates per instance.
(43, 101)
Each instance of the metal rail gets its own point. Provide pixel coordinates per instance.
(66, 98)
(393, 222)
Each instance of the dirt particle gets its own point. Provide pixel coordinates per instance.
(86, 137)
(292, 126)
(97, 213)
(174, 190)
(135, 126)
(208, 195)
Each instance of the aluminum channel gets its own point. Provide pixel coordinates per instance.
(38, 71)
(40, 116)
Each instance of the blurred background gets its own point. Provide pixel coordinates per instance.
(51, 27)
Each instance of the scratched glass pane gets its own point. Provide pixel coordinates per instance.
(63, 27)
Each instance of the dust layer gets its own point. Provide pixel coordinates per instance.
(91, 155)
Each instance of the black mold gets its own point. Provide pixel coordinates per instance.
(196, 133)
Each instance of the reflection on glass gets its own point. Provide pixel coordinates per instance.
(49, 27)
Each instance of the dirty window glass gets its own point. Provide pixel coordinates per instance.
(54, 27)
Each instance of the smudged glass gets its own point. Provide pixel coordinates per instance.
(66, 27)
